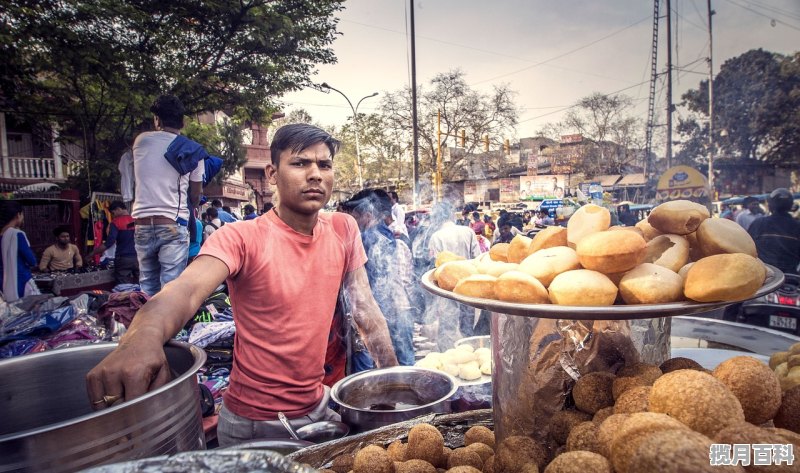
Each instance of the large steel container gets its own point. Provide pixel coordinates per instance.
(47, 424)
(380, 397)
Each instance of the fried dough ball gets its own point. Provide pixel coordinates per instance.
(488, 465)
(745, 432)
(602, 415)
(415, 466)
(633, 400)
(563, 422)
(464, 469)
(646, 371)
(343, 463)
(697, 399)
(479, 434)
(778, 358)
(425, 442)
(633, 431)
(795, 349)
(397, 451)
(514, 452)
(627, 382)
(584, 437)
(788, 416)
(579, 462)
(529, 468)
(593, 391)
(483, 450)
(373, 459)
(499, 252)
(607, 430)
(680, 363)
(792, 361)
(754, 384)
(675, 451)
(462, 456)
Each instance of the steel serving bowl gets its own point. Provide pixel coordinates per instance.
(773, 281)
(48, 423)
(380, 397)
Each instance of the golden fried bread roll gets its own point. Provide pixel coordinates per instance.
(495, 268)
(546, 264)
(630, 229)
(724, 278)
(650, 283)
(548, 238)
(678, 216)
(582, 287)
(611, 252)
(445, 256)
(720, 235)
(448, 274)
(516, 286)
(499, 252)
(587, 220)
(477, 285)
(648, 232)
(519, 248)
(670, 251)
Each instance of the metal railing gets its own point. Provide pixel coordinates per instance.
(29, 168)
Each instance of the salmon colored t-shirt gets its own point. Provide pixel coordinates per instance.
(283, 287)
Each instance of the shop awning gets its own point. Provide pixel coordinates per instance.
(633, 180)
(607, 180)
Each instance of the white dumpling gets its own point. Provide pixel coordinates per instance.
(465, 347)
(469, 372)
(486, 368)
(451, 369)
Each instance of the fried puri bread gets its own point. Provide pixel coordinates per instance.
(611, 252)
(678, 216)
(517, 286)
(719, 235)
(587, 220)
(582, 287)
(724, 278)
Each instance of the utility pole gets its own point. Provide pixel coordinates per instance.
(414, 106)
(711, 184)
(669, 84)
(438, 155)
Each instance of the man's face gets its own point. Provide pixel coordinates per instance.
(304, 179)
(505, 229)
(63, 238)
(754, 207)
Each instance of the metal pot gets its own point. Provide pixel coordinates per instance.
(380, 397)
(48, 424)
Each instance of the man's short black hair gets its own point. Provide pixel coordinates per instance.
(170, 110)
(267, 207)
(61, 229)
(116, 204)
(375, 201)
(394, 196)
(226, 208)
(299, 136)
(216, 203)
(749, 200)
(249, 209)
(212, 212)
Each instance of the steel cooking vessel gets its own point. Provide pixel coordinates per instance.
(48, 424)
(380, 397)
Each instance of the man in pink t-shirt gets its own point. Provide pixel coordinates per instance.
(284, 270)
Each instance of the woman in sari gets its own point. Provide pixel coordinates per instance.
(17, 256)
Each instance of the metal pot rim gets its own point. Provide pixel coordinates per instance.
(454, 385)
(198, 355)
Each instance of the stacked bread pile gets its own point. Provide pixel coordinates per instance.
(678, 253)
(641, 419)
(463, 361)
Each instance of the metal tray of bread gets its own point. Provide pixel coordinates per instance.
(773, 281)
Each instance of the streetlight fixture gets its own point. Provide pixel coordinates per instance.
(325, 85)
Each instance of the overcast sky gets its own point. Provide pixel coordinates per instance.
(551, 53)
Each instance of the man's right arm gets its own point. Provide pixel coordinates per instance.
(46, 257)
(138, 364)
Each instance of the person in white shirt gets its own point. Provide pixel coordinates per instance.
(398, 226)
(751, 211)
(212, 222)
(160, 210)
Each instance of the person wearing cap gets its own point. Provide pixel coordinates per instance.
(62, 255)
(284, 272)
(160, 211)
(777, 236)
(751, 210)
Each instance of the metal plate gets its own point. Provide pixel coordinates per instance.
(615, 312)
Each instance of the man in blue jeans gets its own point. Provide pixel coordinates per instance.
(389, 271)
(160, 209)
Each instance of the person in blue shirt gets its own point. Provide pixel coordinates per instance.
(249, 212)
(17, 256)
(194, 244)
(222, 214)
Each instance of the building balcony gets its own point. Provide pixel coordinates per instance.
(33, 169)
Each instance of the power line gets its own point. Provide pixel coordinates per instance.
(765, 16)
(566, 53)
(777, 10)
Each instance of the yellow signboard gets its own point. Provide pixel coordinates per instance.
(681, 182)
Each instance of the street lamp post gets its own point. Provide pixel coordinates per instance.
(355, 125)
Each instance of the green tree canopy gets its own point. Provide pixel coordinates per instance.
(756, 103)
(93, 67)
